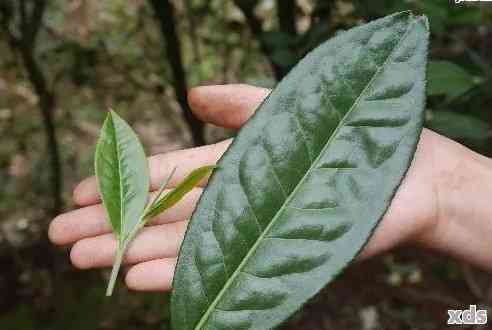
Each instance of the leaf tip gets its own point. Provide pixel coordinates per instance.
(403, 14)
(408, 12)
(112, 113)
(425, 21)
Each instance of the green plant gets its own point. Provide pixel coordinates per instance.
(306, 180)
(448, 79)
(123, 179)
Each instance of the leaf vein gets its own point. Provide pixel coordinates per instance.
(274, 172)
(304, 138)
(238, 270)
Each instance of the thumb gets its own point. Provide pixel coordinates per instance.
(229, 106)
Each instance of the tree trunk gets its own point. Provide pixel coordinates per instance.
(47, 107)
(255, 25)
(286, 12)
(165, 14)
(25, 43)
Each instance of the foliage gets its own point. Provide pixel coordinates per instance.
(123, 179)
(285, 207)
(449, 79)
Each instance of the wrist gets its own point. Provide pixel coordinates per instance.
(412, 212)
(462, 185)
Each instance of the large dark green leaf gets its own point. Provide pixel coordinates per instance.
(306, 180)
(122, 173)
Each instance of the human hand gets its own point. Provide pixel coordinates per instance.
(417, 213)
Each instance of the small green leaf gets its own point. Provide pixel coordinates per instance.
(122, 174)
(449, 79)
(174, 196)
(123, 179)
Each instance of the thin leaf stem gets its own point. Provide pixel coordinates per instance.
(151, 205)
(148, 213)
(125, 242)
(120, 253)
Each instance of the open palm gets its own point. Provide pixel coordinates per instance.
(413, 214)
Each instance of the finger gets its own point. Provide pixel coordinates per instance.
(92, 220)
(213, 104)
(228, 106)
(154, 275)
(161, 165)
(160, 241)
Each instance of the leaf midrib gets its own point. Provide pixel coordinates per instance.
(238, 270)
(120, 187)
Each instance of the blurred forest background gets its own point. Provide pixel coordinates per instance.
(63, 63)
